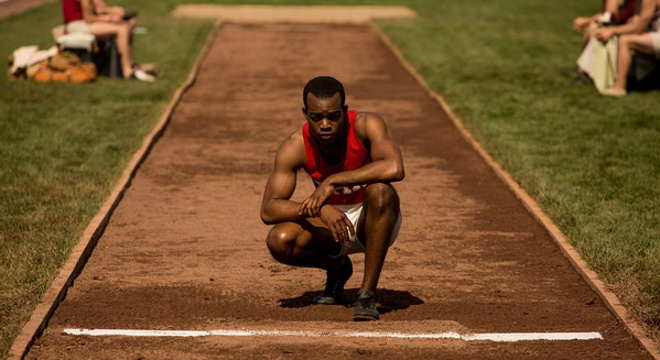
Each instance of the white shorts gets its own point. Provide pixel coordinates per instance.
(77, 26)
(655, 41)
(354, 213)
(655, 36)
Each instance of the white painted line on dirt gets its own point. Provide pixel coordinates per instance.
(534, 336)
(500, 337)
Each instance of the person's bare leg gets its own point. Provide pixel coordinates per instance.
(382, 211)
(304, 243)
(124, 48)
(121, 33)
(308, 243)
(624, 58)
(628, 43)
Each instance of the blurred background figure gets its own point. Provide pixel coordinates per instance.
(105, 23)
(641, 35)
(597, 61)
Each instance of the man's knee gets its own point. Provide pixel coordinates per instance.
(281, 242)
(381, 197)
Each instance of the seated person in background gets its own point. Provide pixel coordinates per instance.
(96, 18)
(634, 36)
(624, 11)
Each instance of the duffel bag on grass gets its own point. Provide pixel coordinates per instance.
(81, 73)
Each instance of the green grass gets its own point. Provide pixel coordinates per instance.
(63, 147)
(591, 162)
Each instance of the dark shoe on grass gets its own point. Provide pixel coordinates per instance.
(583, 78)
(365, 307)
(334, 284)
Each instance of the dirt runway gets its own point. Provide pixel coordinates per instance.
(185, 249)
(12, 7)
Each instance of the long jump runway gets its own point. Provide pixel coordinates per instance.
(185, 253)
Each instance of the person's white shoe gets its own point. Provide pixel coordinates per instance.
(143, 76)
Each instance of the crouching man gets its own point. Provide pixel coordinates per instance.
(352, 161)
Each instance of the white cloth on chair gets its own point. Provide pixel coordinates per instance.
(76, 40)
(25, 56)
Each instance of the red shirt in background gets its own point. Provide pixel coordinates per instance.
(72, 10)
(625, 12)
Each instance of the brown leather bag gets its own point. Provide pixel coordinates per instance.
(63, 67)
(64, 60)
(83, 73)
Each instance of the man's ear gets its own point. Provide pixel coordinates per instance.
(304, 111)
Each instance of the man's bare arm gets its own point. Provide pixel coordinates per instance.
(386, 166)
(276, 205)
(387, 161)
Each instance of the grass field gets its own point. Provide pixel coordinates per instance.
(64, 146)
(591, 162)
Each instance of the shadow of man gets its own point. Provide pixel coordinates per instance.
(389, 300)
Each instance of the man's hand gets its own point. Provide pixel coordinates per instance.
(604, 34)
(311, 207)
(338, 223)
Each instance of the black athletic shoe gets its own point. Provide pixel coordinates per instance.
(334, 284)
(365, 307)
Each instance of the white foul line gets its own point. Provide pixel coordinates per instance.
(500, 337)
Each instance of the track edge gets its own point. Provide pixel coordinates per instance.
(74, 265)
(610, 299)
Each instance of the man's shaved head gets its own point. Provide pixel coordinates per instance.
(324, 87)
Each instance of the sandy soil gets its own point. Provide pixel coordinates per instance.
(297, 14)
(185, 248)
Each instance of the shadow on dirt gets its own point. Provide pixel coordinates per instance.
(387, 299)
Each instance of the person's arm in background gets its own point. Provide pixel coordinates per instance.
(102, 8)
(636, 24)
(609, 7)
(90, 15)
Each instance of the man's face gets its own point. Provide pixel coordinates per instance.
(326, 118)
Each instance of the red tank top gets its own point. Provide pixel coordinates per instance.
(72, 10)
(356, 156)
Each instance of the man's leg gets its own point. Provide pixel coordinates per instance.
(308, 243)
(381, 214)
(305, 243)
(122, 33)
